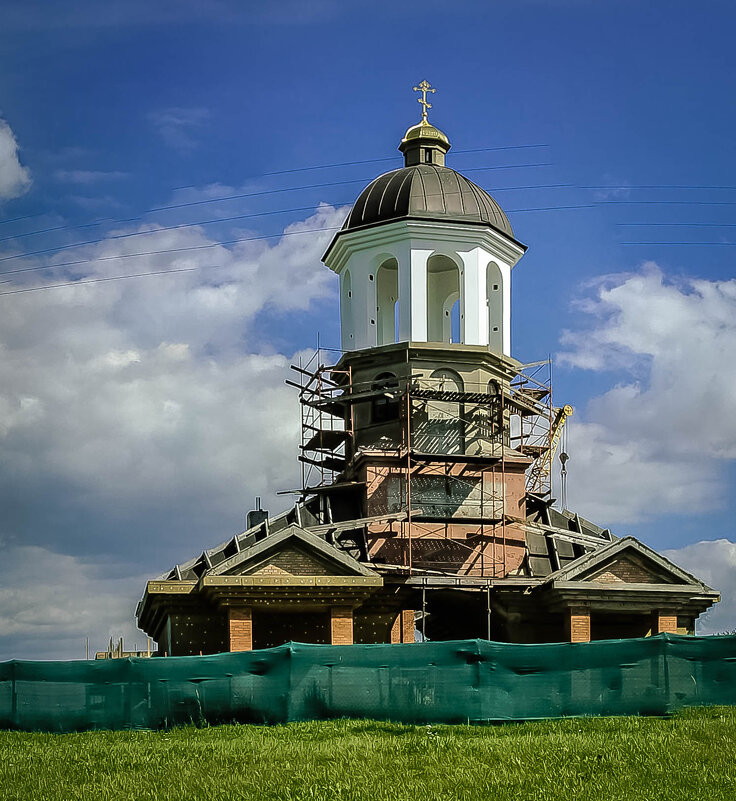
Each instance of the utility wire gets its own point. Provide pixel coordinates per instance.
(218, 243)
(115, 237)
(364, 161)
(701, 244)
(58, 248)
(103, 280)
(139, 218)
(208, 246)
(666, 202)
(681, 224)
(659, 186)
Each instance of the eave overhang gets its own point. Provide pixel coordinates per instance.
(418, 229)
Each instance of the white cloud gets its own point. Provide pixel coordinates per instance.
(138, 418)
(51, 602)
(714, 562)
(659, 441)
(15, 179)
(178, 126)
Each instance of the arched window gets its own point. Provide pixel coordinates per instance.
(346, 311)
(494, 301)
(387, 299)
(445, 426)
(443, 292)
(494, 412)
(386, 406)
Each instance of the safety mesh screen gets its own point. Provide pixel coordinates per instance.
(433, 682)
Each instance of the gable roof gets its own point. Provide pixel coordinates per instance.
(292, 535)
(583, 568)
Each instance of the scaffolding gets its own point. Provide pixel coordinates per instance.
(457, 440)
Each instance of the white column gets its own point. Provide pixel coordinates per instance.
(402, 253)
(418, 294)
(364, 302)
(506, 272)
(473, 326)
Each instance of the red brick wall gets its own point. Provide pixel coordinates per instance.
(454, 546)
(341, 625)
(578, 624)
(627, 571)
(240, 620)
(403, 627)
(665, 622)
(296, 562)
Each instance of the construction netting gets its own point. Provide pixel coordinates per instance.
(432, 682)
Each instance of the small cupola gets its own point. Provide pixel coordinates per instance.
(423, 143)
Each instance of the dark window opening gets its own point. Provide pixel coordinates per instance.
(386, 407)
(428, 156)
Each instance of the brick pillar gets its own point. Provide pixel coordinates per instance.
(665, 622)
(240, 624)
(403, 627)
(578, 624)
(341, 618)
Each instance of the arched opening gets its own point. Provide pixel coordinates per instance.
(455, 321)
(494, 301)
(443, 293)
(386, 406)
(494, 418)
(444, 431)
(387, 300)
(346, 311)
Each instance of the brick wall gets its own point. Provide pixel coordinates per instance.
(578, 624)
(626, 571)
(296, 562)
(341, 625)
(665, 622)
(403, 627)
(240, 621)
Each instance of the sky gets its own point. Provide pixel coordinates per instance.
(170, 175)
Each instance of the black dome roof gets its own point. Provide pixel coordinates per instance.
(427, 191)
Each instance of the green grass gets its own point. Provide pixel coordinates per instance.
(688, 756)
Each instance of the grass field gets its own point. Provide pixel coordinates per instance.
(689, 756)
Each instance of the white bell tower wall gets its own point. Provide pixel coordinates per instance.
(399, 282)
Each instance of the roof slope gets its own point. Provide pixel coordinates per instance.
(427, 191)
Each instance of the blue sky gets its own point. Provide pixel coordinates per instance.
(139, 417)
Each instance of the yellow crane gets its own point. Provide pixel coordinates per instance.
(539, 474)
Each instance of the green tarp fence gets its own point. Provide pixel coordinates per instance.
(433, 682)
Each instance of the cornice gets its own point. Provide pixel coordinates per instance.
(417, 230)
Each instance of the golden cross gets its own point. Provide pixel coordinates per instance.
(424, 87)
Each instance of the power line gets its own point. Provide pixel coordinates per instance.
(658, 186)
(113, 220)
(115, 237)
(666, 202)
(367, 161)
(58, 248)
(166, 250)
(103, 280)
(681, 224)
(553, 208)
(701, 244)
(176, 250)
(198, 247)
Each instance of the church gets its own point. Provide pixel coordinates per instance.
(426, 509)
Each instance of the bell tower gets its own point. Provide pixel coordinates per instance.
(425, 255)
(419, 430)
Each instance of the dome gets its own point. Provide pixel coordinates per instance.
(426, 191)
(423, 130)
